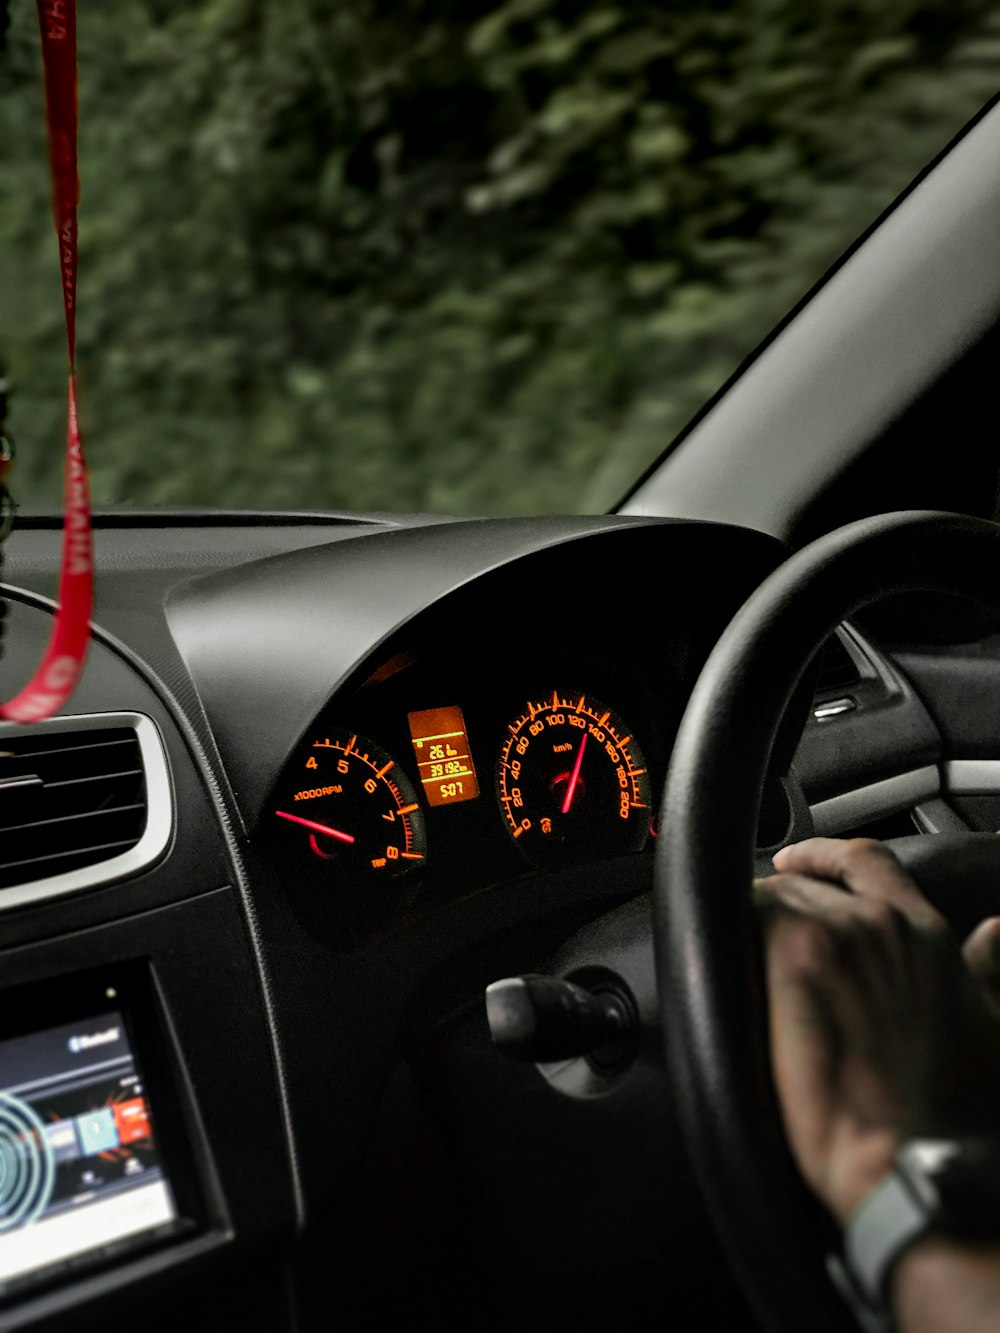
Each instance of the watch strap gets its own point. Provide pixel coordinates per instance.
(888, 1222)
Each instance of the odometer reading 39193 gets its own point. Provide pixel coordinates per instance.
(572, 782)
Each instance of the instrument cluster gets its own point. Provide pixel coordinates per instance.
(516, 724)
(433, 781)
(568, 782)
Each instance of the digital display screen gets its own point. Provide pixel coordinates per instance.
(441, 745)
(80, 1172)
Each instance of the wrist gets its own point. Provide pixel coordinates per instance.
(858, 1173)
(936, 1210)
(941, 1283)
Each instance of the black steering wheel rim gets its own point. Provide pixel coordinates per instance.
(712, 994)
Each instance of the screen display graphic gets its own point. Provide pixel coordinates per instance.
(441, 745)
(80, 1174)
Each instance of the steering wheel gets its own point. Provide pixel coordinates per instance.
(709, 965)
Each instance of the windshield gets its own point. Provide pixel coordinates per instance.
(477, 258)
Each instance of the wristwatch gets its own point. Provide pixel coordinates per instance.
(951, 1186)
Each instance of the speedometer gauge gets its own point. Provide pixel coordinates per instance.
(572, 782)
(350, 808)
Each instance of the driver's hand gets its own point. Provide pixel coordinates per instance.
(880, 1029)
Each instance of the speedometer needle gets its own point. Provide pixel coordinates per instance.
(319, 828)
(575, 777)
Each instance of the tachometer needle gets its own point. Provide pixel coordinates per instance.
(574, 777)
(320, 828)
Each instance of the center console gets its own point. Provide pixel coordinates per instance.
(145, 1150)
(95, 1155)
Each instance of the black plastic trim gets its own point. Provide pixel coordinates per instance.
(889, 732)
(236, 865)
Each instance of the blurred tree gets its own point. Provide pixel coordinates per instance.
(472, 258)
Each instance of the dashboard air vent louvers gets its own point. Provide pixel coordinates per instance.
(68, 799)
(837, 669)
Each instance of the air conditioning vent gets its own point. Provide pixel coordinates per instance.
(75, 803)
(837, 669)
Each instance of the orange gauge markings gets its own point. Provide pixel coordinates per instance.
(349, 806)
(571, 781)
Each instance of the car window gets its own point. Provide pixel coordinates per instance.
(481, 258)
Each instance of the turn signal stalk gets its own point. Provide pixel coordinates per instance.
(541, 1019)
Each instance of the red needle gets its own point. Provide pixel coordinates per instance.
(320, 828)
(574, 779)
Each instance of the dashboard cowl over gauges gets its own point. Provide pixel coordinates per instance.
(472, 693)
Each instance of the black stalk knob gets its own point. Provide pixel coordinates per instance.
(541, 1019)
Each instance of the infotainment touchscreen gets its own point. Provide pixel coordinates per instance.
(81, 1176)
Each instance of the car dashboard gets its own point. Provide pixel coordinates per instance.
(378, 763)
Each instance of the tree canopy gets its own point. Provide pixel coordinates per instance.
(468, 257)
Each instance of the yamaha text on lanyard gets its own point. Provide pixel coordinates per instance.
(60, 668)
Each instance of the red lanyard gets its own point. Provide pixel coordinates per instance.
(60, 668)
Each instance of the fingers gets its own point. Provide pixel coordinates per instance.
(876, 1025)
(842, 945)
(804, 1040)
(830, 968)
(982, 955)
(819, 900)
(866, 867)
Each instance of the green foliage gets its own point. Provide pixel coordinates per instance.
(468, 258)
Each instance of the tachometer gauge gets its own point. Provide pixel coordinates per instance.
(572, 782)
(352, 808)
